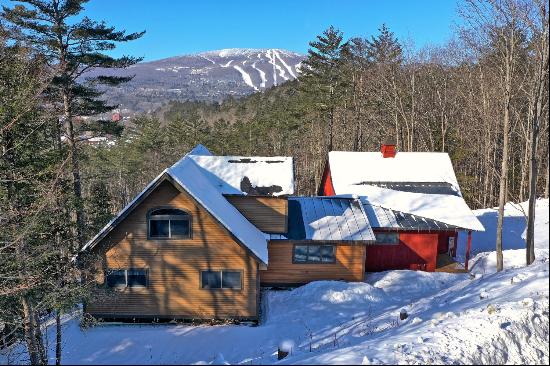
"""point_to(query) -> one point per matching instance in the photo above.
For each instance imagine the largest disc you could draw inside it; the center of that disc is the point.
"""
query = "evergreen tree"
(99, 207)
(323, 77)
(31, 201)
(72, 45)
(385, 48)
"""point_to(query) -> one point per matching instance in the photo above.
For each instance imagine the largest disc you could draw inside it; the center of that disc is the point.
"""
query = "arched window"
(168, 223)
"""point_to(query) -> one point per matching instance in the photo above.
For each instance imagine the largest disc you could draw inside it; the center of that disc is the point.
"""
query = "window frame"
(240, 271)
(333, 261)
(119, 288)
(398, 241)
(189, 219)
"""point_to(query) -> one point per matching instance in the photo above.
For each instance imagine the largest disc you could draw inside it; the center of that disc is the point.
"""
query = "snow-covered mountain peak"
(209, 76)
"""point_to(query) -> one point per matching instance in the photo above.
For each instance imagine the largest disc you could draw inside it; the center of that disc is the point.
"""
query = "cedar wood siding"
(269, 214)
(174, 266)
(349, 265)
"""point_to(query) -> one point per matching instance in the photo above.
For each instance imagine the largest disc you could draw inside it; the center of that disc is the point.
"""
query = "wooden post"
(468, 248)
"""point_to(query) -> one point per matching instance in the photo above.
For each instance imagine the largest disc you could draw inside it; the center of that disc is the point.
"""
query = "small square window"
(116, 278)
(137, 278)
(159, 228)
(179, 228)
(211, 279)
(231, 279)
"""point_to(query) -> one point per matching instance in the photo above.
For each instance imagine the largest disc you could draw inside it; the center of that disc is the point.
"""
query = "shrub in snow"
(285, 348)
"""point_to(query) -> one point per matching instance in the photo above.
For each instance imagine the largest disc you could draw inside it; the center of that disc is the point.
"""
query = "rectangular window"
(221, 280)
(300, 253)
(136, 277)
(169, 228)
(231, 279)
(387, 238)
(314, 254)
(122, 278)
(179, 228)
(116, 278)
(159, 228)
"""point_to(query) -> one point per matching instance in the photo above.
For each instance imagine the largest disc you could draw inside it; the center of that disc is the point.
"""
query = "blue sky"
(176, 27)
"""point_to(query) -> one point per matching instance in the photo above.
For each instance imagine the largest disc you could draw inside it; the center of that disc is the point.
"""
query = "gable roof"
(254, 175)
(422, 184)
(189, 177)
(350, 169)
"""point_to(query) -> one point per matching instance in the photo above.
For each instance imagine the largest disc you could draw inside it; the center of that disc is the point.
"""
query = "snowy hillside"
(451, 318)
(210, 76)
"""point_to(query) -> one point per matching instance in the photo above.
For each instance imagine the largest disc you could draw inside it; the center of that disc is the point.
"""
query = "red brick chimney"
(388, 148)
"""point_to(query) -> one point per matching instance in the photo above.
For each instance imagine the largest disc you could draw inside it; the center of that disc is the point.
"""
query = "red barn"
(413, 202)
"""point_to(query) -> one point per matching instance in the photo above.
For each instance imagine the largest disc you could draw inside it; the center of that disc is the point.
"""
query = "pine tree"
(30, 204)
(385, 48)
(323, 77)
(73, 45)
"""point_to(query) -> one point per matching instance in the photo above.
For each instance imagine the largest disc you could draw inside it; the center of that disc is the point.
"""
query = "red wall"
(326, 188)
(414, 251)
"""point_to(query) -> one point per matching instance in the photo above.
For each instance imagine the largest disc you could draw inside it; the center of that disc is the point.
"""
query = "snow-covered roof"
(200, 150)
(326, 219)
(191, 178)
(350, 169)
(422, 184)
(249, 174)
(386, 218)
(449, 209)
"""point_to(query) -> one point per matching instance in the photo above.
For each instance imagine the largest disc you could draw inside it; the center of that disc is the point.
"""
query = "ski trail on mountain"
(284, 64)
(247, 79)
(262, 75)
(207, 59)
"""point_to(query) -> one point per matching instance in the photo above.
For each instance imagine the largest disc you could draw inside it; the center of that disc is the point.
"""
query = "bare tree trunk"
(541, 76)
(58, 347)
(28, 328)
(503, 193)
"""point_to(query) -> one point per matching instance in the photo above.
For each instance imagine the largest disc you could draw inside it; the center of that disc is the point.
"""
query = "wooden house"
(203, 237)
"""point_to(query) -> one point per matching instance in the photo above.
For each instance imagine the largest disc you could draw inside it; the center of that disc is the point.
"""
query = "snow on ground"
(513, 231)
(487, 318)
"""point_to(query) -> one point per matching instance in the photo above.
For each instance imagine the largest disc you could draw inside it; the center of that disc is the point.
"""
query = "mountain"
(207, 76)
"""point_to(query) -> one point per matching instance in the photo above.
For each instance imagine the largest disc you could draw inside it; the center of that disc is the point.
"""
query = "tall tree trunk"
(540, 78)
(77, 216)
(30, 334)
(58, 347)
(503, 192)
